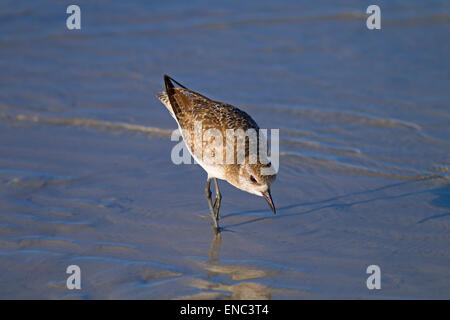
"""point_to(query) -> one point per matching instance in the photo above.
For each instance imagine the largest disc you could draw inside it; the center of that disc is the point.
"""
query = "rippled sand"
(86, 176)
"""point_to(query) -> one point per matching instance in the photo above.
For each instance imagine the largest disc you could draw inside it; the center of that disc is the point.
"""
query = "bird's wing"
(190, 107)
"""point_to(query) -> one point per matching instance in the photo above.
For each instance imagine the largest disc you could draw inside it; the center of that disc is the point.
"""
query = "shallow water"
(86, 176)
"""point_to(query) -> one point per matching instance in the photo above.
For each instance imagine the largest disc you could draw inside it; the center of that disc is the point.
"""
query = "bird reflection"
(214, 247)
(231, 281)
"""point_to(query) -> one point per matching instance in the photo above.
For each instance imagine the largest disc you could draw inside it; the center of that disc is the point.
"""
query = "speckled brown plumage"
(189, 109)
(189, 106)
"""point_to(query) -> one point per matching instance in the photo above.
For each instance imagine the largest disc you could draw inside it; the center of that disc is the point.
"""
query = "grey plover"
(189, 109)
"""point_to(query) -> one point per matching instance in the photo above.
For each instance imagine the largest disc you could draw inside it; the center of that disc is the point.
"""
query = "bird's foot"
(217, 229)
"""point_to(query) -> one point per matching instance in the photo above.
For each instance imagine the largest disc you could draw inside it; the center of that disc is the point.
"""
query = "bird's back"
(187, 106)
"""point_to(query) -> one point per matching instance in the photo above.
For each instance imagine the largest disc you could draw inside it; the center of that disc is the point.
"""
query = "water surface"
(86, 176)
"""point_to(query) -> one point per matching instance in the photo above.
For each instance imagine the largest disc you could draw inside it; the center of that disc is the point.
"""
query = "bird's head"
(253, 178)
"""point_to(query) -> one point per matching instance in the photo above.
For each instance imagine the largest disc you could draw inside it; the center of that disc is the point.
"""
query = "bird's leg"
(211, 207)
(217, 200)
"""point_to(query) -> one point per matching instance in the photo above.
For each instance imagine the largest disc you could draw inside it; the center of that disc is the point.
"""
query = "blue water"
(364, 121)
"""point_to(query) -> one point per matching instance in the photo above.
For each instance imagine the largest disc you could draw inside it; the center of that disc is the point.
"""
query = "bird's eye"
(252, 179)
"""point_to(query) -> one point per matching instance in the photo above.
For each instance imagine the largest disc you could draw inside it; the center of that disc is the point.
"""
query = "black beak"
(268, 197)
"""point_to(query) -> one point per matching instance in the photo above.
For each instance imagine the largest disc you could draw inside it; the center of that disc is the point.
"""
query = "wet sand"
(86, 176)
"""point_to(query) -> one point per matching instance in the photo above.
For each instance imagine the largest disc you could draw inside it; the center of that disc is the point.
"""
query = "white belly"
(214, 171)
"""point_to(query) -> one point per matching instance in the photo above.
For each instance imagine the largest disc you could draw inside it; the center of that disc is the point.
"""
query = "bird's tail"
(169, 83)
(164, 98)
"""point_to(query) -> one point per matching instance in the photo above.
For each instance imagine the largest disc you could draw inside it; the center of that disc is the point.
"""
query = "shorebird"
(189, 108)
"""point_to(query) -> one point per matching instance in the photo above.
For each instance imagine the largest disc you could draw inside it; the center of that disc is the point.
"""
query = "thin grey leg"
(217, 200)
(211, 207)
